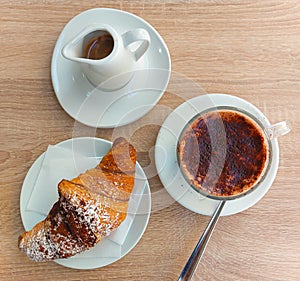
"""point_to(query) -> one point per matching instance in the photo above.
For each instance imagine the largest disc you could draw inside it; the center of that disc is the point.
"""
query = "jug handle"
(136, 35)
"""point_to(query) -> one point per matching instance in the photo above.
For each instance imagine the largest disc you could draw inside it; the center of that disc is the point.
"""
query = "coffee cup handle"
(279, 129)
(136, 35)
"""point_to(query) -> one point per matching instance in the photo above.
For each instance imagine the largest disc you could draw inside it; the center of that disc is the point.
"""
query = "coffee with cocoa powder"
(223, 153)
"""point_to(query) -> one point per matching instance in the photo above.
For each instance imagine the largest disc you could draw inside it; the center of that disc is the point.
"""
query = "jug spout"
(73, 50)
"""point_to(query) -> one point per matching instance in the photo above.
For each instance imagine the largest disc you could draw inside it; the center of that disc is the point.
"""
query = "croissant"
(89, 208)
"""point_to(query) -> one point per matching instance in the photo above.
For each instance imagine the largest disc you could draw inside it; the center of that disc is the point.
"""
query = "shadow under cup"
(224, 152)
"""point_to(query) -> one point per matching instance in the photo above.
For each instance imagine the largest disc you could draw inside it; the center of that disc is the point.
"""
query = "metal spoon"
(193, 261)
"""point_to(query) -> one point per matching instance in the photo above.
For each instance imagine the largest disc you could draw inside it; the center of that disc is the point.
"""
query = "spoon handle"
(192, 263)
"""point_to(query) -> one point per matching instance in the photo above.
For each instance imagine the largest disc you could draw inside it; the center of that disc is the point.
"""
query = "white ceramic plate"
(94, 107)
(168, 168)
(87, 146)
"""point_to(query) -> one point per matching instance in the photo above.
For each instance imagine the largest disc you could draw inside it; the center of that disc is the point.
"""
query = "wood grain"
(250, 49)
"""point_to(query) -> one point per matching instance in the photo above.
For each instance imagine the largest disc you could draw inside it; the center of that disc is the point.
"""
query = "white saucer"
(94, 107)
(166, 159)
(87, 146)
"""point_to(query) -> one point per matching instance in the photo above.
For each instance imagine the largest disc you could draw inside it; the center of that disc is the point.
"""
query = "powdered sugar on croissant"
(89, 208)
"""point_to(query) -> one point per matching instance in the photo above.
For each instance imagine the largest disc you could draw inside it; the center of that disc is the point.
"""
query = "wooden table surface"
(250, 49)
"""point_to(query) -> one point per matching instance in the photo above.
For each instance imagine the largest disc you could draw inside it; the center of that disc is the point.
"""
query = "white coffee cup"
(115, 67)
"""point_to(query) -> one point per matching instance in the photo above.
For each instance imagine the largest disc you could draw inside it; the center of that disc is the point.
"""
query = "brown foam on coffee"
(223, 153)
